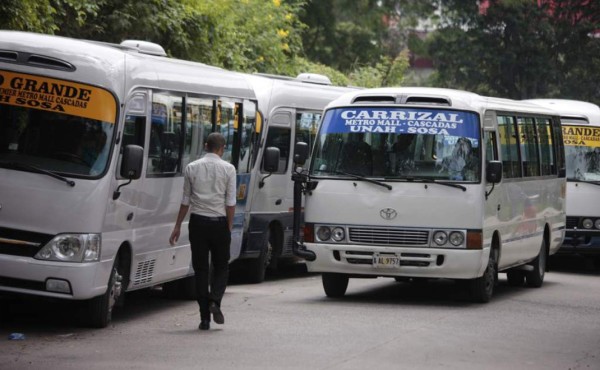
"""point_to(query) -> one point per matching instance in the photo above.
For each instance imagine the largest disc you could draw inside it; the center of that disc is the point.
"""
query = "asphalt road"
(287, 322)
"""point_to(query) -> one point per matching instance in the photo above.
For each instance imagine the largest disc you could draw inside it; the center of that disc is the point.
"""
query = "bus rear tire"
(335, 285)
(100, 308)
(482, 288)
(535, 278)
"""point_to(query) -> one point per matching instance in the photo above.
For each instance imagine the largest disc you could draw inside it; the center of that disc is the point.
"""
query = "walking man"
(209, 192)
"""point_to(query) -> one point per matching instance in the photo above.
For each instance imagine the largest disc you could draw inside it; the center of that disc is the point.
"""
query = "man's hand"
(174, 235)
(176, 230)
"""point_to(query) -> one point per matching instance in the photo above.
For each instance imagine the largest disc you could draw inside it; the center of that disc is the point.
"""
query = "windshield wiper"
(593, 182)
(432, 181)
(358, 177)
(30, 168)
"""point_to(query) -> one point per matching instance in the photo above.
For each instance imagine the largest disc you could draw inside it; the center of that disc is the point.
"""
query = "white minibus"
(432, 183)
(291, 108)
(93, 140)
(581, 132)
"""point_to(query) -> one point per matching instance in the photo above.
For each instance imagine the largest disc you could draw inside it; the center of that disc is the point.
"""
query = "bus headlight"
(440, 237)
(338, 234)
(323, 233)
(456, 238)
(588, 223)
(71, 248)
(597, 223)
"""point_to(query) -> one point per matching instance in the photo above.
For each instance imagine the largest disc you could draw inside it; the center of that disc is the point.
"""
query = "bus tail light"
(309, 233)
(474, 240)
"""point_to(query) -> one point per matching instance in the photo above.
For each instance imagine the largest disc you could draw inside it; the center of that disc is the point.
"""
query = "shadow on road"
(47, 316)
(44, 316)
(426, 292)
(577, 264)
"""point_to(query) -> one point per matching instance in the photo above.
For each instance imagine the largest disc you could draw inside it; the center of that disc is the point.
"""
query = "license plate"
(386, 261)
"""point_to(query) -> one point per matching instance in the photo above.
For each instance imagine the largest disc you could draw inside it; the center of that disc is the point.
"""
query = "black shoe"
(216, 312)
(204, 325)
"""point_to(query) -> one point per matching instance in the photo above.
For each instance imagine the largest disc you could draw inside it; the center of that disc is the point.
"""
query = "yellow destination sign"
(36, 92)
(581, 136)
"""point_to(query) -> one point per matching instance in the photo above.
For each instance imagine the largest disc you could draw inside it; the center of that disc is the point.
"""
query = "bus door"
(273, 196)
(160, 192)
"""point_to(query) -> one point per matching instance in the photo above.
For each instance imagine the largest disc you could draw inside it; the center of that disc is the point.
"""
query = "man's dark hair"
(214, 142)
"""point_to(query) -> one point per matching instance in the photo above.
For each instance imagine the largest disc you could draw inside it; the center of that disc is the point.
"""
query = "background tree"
(519, 49)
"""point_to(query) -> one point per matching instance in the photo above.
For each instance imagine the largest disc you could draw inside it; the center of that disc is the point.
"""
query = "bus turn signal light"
(474, 240)
(309, 233)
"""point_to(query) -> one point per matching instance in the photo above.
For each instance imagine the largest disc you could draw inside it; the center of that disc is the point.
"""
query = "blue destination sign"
(401, 121)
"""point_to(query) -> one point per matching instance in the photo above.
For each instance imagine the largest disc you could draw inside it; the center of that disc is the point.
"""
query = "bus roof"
(104, 65)
(275, 92)
(436, 97)
(571, 108)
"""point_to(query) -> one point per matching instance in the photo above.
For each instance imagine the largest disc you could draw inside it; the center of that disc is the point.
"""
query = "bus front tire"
(100, 308)
(335, 285)
(482, 288)
(535, 278)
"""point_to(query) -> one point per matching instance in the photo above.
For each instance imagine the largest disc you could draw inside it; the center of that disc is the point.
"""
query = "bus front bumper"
(581, 242)
(410, 262)
(67, 280)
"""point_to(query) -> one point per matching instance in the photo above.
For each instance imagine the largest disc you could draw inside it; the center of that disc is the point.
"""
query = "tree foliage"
(354, 35)
(519, 49)
(236, 34)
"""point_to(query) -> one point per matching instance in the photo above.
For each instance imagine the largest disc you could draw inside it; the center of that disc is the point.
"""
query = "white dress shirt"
(209, 186)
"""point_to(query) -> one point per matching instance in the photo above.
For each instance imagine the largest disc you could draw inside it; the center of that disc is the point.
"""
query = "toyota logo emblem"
(388, 213)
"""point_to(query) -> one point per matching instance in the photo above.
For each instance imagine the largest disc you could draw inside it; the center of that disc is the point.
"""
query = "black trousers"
(209, 234)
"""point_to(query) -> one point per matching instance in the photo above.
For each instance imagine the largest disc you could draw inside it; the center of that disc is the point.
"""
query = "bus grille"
(21, 243)
(572, 222)
(389, 237)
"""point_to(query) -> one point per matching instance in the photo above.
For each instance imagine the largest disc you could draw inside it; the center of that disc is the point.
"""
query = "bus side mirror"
(131, 166)
(271, 159)
(493, 173)
(300, 153)
(270, 163)
(131, 163)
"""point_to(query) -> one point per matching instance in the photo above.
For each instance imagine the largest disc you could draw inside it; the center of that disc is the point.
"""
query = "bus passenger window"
(529, 146)
(225, 125)
(165, 136)
(511, 165)
(545, 139)
(247, 146)
(198, 126)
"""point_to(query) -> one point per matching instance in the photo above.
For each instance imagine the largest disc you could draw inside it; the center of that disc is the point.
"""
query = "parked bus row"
(93, 141)
(405, 183)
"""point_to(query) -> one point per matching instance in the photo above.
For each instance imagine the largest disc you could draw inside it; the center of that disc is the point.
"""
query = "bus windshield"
(399, 144)
(582, 152)
(63, 127)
